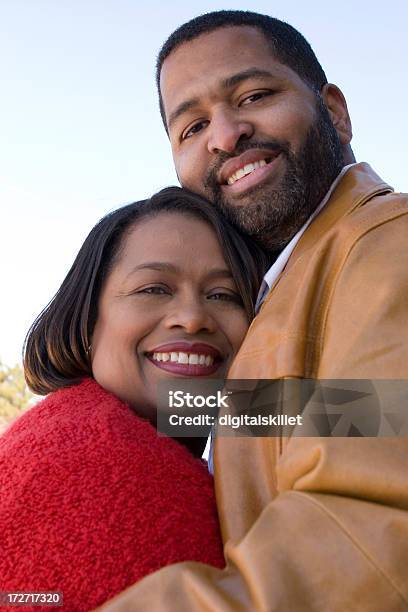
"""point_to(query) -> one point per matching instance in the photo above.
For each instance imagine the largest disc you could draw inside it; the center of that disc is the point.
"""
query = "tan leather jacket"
(315, 524)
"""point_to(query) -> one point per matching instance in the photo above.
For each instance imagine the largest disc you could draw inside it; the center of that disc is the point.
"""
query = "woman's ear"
(337, 106)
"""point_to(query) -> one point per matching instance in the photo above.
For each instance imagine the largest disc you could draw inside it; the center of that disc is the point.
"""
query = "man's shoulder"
(378, 219)
(380, 208)
(382, 213)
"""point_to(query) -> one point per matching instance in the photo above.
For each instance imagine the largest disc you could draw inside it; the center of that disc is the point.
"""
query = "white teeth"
(247, 169)
(185, 358)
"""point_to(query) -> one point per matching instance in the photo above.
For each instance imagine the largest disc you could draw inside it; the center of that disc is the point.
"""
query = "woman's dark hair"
(56, 349)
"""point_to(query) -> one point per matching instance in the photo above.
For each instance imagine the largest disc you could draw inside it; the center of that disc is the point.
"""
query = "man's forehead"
(249, 40)
(214, 56)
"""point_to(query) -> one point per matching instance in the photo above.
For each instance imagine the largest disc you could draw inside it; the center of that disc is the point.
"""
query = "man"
(314, 524)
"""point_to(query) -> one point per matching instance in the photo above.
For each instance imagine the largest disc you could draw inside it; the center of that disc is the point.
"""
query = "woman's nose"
(226, 129)
(192, 317)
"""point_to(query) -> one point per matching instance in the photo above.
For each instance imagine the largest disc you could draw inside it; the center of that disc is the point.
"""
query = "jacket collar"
(358, 185)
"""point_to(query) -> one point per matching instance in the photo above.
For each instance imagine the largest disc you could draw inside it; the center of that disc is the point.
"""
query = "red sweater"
(92, 500)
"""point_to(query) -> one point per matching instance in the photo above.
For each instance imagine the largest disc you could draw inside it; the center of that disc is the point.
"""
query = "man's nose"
(226, 129)
(191, 316)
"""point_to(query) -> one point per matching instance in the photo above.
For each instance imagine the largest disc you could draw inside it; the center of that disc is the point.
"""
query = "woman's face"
(169, 308)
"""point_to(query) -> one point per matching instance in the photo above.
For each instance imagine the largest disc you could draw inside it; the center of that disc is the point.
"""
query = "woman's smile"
(186, 359)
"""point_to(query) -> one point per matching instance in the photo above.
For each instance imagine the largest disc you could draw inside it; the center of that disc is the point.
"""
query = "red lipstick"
(187, 369)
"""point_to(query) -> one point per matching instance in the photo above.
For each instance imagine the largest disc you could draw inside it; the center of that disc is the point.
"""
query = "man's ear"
(337, 106)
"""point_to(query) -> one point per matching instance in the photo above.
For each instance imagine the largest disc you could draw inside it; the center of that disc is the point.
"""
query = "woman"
(92, 498)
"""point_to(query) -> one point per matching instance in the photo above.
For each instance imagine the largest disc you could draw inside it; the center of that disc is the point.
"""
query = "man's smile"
(236, 168)
(250, 169)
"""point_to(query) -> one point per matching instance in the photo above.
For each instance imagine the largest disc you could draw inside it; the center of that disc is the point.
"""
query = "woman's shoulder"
(80, 411)
(63, 416)
(86, 423)
(84, 442)
(94, 499)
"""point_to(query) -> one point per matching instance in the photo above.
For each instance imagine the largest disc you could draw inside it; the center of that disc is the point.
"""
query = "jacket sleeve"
(320, 545)
(335, 537)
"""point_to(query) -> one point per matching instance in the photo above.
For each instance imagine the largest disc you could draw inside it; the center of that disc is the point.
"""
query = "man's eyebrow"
(227, 83)
(250, 73)
(181, 109)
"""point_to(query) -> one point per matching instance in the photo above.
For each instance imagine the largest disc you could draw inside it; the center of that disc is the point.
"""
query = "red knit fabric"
(92, 500)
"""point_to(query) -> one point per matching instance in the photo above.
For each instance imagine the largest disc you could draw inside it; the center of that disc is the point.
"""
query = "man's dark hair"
(287, 44)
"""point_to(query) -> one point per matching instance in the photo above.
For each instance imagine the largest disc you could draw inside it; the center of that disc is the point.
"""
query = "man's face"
(248, 133)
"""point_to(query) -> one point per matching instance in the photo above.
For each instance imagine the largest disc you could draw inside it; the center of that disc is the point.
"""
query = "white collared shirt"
(277, 267)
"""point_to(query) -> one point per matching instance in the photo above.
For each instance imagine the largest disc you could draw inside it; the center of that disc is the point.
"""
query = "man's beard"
(274, 215)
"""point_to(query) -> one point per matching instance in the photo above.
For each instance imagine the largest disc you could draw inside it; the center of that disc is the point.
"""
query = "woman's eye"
(194, 129)
(226, 297)
(255, 97)
(154, 290)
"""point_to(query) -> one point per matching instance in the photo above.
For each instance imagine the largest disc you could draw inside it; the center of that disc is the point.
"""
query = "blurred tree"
(15, 396)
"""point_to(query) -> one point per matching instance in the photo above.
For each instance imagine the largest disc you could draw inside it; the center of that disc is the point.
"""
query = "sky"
(81, 134)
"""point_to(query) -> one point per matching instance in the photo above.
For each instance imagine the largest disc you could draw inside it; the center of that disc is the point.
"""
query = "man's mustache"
(276, 146)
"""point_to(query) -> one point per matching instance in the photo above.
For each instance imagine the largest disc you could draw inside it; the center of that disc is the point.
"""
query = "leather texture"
(314, 524)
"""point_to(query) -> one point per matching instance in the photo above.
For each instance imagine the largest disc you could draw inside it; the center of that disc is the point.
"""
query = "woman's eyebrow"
(219, 273)
(162, 266)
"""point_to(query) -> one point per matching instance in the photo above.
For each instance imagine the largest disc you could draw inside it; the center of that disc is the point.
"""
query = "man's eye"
(255, 97)
(194, 129)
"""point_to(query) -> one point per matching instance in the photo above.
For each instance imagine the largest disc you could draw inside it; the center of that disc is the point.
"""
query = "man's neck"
(282, 257)
(321, 202)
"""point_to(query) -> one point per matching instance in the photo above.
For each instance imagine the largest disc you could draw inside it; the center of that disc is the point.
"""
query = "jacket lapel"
(358, 186)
